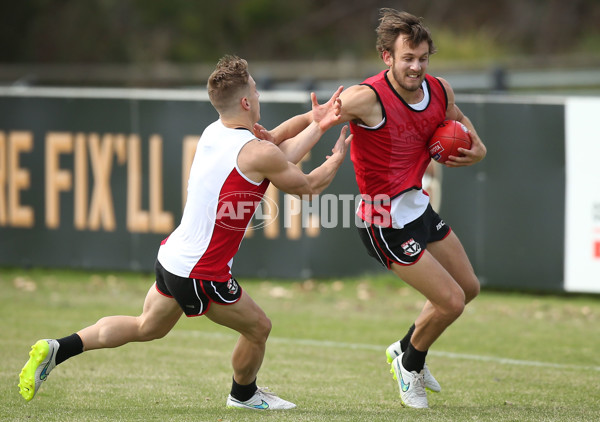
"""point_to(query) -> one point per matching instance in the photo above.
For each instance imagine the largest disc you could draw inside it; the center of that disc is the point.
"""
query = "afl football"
(447, 138)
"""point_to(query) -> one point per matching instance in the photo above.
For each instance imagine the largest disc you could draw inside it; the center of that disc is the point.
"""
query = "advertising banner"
(96, 178)
(582, 227)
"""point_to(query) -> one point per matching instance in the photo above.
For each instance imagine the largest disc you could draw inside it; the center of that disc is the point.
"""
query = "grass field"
(510, 357)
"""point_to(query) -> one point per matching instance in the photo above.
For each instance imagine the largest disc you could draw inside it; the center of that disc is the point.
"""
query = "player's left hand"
(329, 114)
(261, 133)
(469, 157)
(341, 146)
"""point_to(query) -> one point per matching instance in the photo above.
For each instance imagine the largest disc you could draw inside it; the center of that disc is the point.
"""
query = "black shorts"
(403, 246)
(194, 295)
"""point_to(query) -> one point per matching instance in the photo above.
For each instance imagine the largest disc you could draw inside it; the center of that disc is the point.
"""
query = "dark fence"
(95, 179)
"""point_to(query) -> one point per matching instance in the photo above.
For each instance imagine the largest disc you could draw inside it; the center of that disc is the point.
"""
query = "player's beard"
(401, 76)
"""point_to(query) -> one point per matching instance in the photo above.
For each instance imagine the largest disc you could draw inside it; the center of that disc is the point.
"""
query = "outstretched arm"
(286, 130)
(260, 160)
(297, 124)
(323, 117)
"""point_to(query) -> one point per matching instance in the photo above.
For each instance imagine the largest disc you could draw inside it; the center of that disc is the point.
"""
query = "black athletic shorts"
(194, 295)
(403, 246)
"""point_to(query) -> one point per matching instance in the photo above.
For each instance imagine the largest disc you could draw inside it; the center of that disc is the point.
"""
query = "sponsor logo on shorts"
(411, 248)
(440, 225)
(232, 287)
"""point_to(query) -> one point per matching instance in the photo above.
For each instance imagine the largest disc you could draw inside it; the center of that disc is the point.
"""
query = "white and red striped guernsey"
(221, 201)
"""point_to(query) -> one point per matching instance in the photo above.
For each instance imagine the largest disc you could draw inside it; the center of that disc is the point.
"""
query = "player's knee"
(263, 328)
(453, 307)
(260, 330)
(148, 331)
(472, 291)
(155, 334)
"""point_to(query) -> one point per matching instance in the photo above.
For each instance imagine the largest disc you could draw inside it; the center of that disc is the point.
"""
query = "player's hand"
(341, 146)
(469, 157)
(261, 133)
(329, 114)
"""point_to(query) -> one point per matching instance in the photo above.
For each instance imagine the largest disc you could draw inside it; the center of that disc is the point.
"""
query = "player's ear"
(387, 57)
(245, 103)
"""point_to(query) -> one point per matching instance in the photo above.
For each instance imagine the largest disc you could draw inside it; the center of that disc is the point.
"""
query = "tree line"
(188, 31)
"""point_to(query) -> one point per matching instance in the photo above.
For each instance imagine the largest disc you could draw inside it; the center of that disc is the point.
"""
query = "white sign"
(582, 225)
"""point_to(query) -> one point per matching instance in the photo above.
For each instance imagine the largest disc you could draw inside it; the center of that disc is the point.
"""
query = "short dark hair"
(393, 23)
(230, 75)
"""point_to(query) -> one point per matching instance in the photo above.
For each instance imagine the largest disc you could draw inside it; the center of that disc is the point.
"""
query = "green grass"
(510, 357)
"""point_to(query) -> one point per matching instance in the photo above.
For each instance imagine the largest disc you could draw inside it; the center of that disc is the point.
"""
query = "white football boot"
(412, 385)
(263, 399)
(394, 350)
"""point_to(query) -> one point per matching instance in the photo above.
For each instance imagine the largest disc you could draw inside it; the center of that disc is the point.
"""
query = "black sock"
(406, 340)
(69, 346)
(243, 392)
(413, 359)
